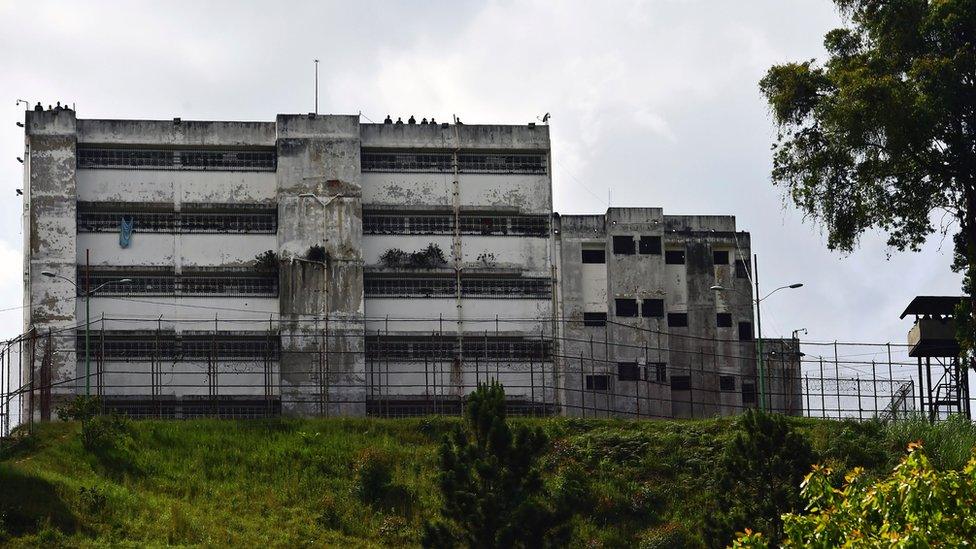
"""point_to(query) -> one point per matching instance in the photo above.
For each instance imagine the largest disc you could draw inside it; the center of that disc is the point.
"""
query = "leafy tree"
(916, 506)
(883, 133)
(759, 476)
(492, 486)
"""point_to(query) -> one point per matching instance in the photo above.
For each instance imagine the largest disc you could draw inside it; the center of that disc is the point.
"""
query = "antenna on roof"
(316, 86)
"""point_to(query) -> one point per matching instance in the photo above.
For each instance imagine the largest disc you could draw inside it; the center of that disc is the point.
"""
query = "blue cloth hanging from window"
(125, 231)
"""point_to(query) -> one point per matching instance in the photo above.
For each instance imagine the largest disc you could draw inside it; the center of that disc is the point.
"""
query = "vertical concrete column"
(320, 249)
(50, 245)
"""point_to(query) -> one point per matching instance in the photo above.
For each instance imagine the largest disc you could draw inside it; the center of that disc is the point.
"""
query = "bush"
(915, 506)
(491, 483)
(758, 477)
(81, 408)
(373, 476)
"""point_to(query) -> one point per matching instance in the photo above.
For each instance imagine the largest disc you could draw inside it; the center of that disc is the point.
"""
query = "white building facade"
(316, 265)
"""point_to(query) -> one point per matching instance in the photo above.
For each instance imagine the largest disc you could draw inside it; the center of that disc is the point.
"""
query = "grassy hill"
(301, 482)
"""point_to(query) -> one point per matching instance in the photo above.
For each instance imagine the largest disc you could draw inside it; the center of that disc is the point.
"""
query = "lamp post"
(760, 363)
(87, 295)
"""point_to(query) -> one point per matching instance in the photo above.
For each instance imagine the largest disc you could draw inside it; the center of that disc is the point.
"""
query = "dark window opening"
(741, 269)
(650, 245)
(726, 383)
(594, 256)
(624, 245)
(595, 319)
(660, 372)
(628, 371)
(674, 257)
(748, 393)
(745, 331)
(723, 320)
(678, 320)
(680, 383)
(597, 382)
(720, 257)
(653, 308)
(625, 307)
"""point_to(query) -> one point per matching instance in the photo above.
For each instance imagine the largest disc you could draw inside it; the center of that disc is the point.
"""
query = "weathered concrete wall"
(702, 350)
(174, 133)
(176, 187)
(51, 204)
(318, 156)
(436, 136)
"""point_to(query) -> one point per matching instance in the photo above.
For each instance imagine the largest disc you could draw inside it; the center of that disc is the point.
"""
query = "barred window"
(229, 285)
(726, 383)
(226, 222)
(420, 348)
(221, 284)
(89, 156)
(499, 287)
(408, 287)
(628, 371)
(443, 162)
(680, 383)
(258, 219)
(110, 221)
(748, 393)
(595, 319)
(599, 382)
(167, 345)
(392, 223)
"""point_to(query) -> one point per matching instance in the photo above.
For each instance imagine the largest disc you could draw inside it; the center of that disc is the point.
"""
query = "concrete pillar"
(50, 245)
(320, 248)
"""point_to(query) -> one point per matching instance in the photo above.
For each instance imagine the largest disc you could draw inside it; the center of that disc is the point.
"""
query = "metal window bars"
(384, 286)
(176, 159)
(471, 224)
(200, 284)
(427, 347)
(138, 346)
(253, 222)
(442, 162)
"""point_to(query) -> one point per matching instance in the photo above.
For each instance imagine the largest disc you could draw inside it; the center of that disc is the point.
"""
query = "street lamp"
(759, 350)
(87, 295)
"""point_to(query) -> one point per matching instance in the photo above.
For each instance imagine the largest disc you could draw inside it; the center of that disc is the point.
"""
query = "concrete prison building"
(315, 265)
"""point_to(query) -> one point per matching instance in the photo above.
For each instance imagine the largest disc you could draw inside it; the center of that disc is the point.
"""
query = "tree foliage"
(492, 488)
(759, 475)
(882, 134)
(915, 506)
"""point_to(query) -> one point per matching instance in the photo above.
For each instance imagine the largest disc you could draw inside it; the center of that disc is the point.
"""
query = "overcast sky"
(653, 103)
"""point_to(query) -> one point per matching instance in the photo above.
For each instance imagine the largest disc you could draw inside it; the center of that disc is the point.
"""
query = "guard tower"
(932, 340)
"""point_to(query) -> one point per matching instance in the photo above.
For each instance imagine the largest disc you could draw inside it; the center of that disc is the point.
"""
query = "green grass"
(305, 482)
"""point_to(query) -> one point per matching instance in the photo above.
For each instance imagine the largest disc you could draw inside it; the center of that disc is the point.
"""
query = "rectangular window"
(594, 256)
(628, 371)
(723, 320)
(597, 382)
(741, 269)
(652, 308)
(680, 383)
(674, 257)
(745, 331)
(678, 320)
(720, 257)
(443, 162)
(659, 371)
(174, 159)
(624, 245)
(726, 383)
(650, 245)
(595, 319)
(625, 307)
(748, 393)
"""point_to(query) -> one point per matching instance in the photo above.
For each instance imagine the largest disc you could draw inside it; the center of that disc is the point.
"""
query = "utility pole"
(760, 363)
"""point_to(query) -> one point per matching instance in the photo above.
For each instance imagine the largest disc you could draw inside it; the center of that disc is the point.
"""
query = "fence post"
(582, 386)
(837, 377)
(860, 416)
(874, 381)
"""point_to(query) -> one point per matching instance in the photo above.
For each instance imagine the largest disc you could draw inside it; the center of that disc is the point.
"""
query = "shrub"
(915, 506)
(267, 262)
(758, 477)
(373, 476)
(491, 483)
(81, 408)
